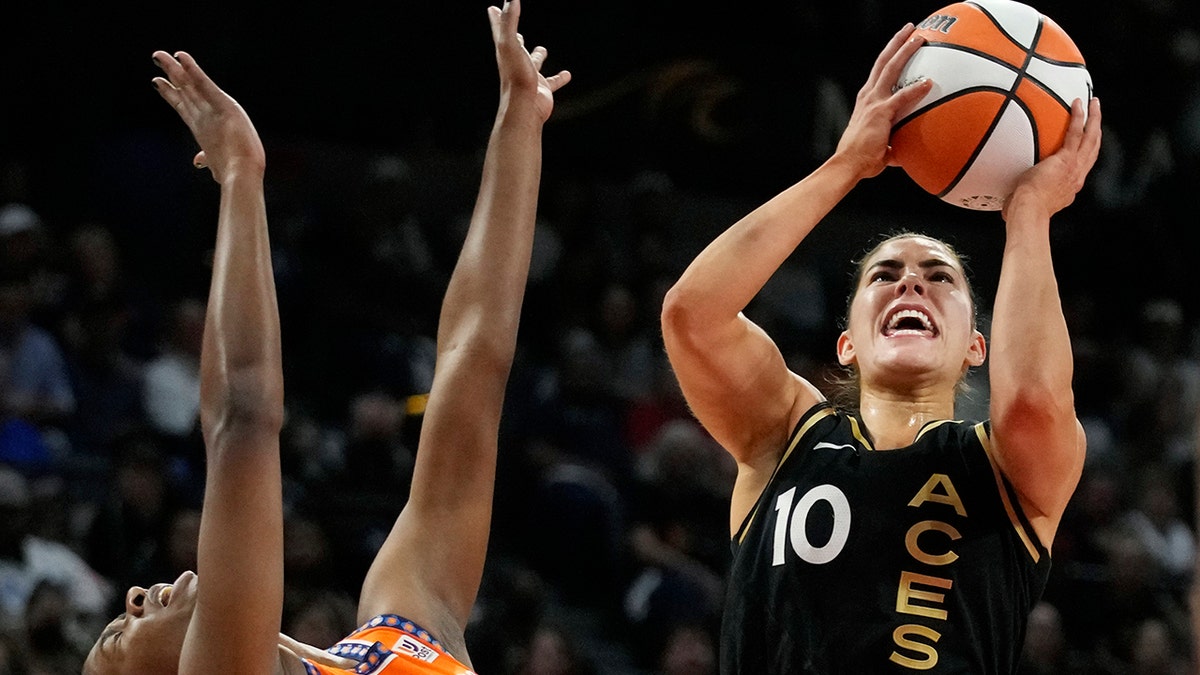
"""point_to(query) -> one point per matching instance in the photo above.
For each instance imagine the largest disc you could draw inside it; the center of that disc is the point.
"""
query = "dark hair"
(844, 382)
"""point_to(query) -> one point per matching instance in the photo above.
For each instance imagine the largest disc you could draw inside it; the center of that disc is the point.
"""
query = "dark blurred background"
(609, 545)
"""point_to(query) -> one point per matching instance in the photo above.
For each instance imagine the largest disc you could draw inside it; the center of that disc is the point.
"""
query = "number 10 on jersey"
(796, 532)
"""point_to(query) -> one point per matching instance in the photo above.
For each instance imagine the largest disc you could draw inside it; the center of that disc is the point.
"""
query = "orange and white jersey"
(391, 645)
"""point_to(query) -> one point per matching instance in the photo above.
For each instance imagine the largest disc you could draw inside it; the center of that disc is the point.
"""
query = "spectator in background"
(683, 483)
(132, 522)
(98, 282)
(375, 442)
(27, 560)
(171, 398)
(34, 384)
(12, 658)
(1108, 614)
(689, 650)
(553, 650)
(26, 250)
(1157, 651)
(1162, 399)
(663, 405)
(318, 617)
(36, 394)
(1156, 521)
(107, 379)
(56, 639)
(1046, 651)
(624, 338)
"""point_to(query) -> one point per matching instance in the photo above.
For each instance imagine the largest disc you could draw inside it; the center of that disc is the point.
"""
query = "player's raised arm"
(1039, 442)
(240, 555)
(731, 372)
(430, 567)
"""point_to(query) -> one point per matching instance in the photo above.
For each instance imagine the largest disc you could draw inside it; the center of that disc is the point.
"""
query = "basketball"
(1004, 77)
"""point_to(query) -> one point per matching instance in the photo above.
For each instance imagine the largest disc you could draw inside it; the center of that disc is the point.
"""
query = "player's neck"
(291, 651)
(894, 422)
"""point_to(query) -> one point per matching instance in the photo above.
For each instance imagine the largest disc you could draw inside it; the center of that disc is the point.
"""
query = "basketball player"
(418, 593)
(892, 538)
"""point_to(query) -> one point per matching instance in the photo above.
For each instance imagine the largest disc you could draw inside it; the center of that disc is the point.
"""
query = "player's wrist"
(242, 170)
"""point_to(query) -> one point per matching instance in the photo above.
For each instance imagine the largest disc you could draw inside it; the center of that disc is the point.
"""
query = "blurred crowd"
(610, 534)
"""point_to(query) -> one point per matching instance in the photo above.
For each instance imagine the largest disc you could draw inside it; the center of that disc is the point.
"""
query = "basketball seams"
(1055, 62)
(974, 52)
(1022, 74)
(1049, 92)
(1033, 126)
(946, 99)
(1011, 96)
(1000, 27)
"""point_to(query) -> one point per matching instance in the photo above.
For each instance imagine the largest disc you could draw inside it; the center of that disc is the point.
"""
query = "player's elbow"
(247, 399)
(1032, 405)
(1044, 427)
(486, 357)
(682, 316)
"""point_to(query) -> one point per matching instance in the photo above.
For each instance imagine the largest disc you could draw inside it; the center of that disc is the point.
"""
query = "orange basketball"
(1004, 77)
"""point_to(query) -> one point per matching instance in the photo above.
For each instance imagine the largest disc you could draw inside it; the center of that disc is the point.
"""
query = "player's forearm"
(241, 365)
(482, 307)
(1031, 357)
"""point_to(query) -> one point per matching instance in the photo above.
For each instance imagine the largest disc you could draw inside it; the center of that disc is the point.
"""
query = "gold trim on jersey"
(1012, 513)
(858, 434)
(930, 427)
(808, 424)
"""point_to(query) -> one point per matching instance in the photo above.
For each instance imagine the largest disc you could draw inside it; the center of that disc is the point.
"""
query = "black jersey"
(899, 561)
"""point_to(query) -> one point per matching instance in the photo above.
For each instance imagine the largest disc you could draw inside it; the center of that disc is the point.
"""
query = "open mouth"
(164, 595)
(909, 322)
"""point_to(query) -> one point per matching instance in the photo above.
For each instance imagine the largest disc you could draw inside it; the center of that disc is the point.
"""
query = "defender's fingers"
(494, 18)
(174, 71)
(197, 76)
(175, 97)
(512, 9)
(538, 57)
(892, 47)
(504, 20)
(556, 82)
(166, 89)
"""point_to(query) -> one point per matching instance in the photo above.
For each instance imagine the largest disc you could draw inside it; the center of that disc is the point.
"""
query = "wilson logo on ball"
(938, 22)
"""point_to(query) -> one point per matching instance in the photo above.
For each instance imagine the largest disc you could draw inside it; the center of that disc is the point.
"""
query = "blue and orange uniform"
(391, 645)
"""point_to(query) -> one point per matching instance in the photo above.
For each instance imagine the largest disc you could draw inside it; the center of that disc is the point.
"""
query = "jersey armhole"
(807, 421)
(1008, 497)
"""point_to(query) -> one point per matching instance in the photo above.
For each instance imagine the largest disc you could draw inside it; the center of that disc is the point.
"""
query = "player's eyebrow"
(112, 628)
(890, 263)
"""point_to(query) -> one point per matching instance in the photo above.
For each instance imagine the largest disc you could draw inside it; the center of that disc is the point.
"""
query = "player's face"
(911, 320)
(148, 637)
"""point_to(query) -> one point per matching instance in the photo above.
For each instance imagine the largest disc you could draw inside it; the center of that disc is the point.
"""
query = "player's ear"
(977, 351)
(845, 349)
